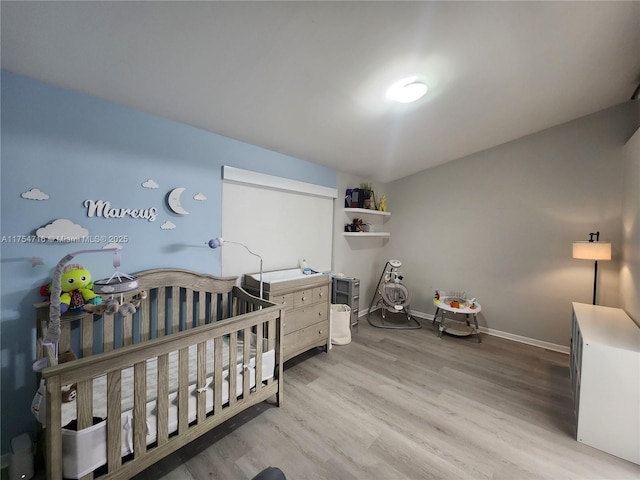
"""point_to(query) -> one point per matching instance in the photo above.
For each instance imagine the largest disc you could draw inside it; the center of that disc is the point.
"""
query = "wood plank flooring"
(404, 404)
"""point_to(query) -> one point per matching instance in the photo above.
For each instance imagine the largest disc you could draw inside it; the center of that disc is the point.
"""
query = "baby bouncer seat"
(392, 296)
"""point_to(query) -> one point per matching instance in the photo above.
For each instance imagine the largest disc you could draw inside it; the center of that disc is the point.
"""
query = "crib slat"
(258, 356)
(202, 379)
(233, 377)
(224, 306)
(127, 334)
(217, 375)
(175, 309)
(145, 321)
(84, 403)
(65, 337)
(108, 328)
(53, 430)
(271, 334)
(246, 373)
(163, 400)
(161, 300)
(213, 308)
(202, 304)
(189, 309)
(139, 409)
(114, 407)
(183, 390)
(87, 336)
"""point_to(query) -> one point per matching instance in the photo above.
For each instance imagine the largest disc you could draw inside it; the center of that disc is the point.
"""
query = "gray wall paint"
(499, 224)
(630, 263)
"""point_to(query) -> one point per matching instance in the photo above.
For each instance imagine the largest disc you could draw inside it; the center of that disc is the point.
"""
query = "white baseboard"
(529, 341)
(498, 333)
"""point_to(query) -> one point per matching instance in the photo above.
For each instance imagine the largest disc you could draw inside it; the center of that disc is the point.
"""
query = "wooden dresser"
(306, 320)
(605, 379)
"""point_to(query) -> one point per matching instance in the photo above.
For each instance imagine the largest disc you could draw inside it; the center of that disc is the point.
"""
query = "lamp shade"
(592, 250)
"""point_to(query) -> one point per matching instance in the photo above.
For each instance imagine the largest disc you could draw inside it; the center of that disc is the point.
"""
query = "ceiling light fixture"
(407, 90)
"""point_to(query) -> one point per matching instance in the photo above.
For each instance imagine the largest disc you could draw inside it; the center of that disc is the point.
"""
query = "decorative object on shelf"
(356, 226)
(382, 204)
(367, 192)
(354, 198)
(592, 250)
(219, 242)
(347, 198)
(174, 201)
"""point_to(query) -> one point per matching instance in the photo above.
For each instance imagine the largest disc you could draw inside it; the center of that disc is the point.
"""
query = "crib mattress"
(85, 450)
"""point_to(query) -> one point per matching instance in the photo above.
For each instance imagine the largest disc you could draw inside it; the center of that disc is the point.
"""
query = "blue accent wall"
(74, 147)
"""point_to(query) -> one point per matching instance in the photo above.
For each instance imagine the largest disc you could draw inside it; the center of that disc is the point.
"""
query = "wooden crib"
(203, 335)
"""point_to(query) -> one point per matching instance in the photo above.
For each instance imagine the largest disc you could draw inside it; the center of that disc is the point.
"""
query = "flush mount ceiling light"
(407, 90)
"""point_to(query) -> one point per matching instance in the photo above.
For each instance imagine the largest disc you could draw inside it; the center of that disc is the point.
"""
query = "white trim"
(238, 175)
(529, 341)
(497, 333)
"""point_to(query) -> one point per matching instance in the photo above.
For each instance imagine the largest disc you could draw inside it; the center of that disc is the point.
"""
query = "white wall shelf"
(367, 234)
(354, 212)
(370, 216)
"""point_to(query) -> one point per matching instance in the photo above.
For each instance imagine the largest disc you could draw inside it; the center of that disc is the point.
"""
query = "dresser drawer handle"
(319, 332)
(304, 298)
(321, 294)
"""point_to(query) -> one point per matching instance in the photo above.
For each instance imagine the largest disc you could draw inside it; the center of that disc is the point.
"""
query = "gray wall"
(630, 263)
(499, 225)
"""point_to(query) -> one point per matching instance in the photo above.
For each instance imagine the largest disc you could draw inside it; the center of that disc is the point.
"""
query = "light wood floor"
(403, 404)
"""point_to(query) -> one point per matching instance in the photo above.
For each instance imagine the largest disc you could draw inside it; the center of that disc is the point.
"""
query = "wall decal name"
(100, 208)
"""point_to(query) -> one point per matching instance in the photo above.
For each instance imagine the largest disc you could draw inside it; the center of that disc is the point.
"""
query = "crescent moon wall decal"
(175, 201)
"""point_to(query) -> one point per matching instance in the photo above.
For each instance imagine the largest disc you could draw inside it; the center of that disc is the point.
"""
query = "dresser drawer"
(320, 294)
(303, 317)
(283, 300)
(302, 298)
(301, 340)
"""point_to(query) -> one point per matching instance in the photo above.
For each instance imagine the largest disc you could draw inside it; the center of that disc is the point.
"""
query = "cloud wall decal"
(150, 184)
(62, 230)
(35, 194)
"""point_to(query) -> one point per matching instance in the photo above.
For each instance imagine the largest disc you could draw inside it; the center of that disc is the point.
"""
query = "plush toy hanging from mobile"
(76, 294)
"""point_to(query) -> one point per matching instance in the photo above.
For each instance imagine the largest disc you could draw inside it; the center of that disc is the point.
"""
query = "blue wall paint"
(75, 147)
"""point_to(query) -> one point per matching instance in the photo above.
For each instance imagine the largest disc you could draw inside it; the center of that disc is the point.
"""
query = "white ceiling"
(308, 79)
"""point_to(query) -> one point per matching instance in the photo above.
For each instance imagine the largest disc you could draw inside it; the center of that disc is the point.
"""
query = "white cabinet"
(605, 379)
(374, 218)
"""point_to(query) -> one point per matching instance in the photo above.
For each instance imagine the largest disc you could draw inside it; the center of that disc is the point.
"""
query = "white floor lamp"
(219, 242)
(592, 250)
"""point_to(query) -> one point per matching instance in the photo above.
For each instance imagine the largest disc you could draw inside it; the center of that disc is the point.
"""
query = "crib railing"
(187, 303)
(170, 319)
(83, 372)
